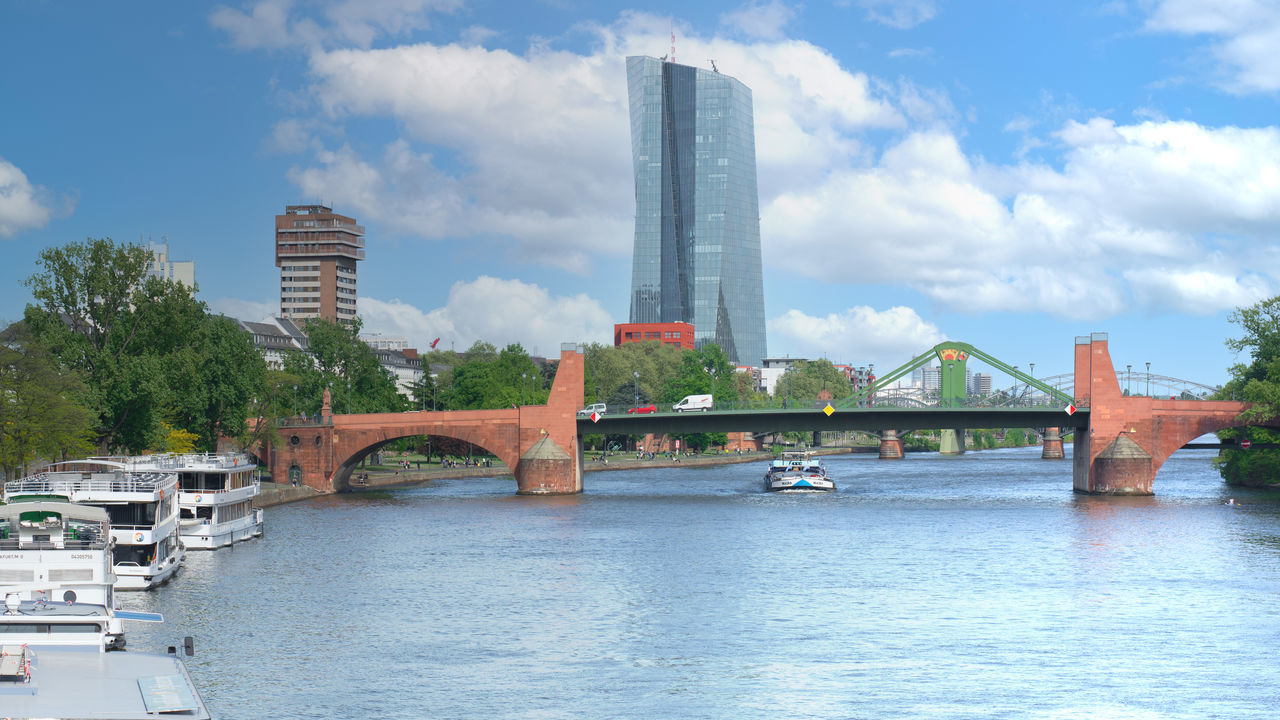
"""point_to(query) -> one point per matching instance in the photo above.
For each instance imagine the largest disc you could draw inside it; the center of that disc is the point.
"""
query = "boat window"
(72, 628)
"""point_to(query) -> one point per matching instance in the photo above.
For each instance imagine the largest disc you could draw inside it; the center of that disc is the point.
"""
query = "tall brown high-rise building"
(317, 251)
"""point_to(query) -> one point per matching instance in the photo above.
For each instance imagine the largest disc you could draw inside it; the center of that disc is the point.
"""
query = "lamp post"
(1148, 379)
(1128, 379)
(348, 397)
(522, 379)
(636, 385)
(295, 400)
(1033, 377)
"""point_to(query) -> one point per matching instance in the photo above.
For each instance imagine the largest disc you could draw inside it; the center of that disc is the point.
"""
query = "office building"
(677, 334)
(697, 233)
(184, 271)
(317, 251)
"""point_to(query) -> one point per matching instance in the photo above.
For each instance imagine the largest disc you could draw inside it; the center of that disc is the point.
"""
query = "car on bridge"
(591, 409)
(643, 410)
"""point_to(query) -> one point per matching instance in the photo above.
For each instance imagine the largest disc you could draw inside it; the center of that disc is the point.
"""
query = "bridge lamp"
(636, 385)
(1148, 379)
(1128, 379)
(295, 400)
(522, 379)
(348, 397)
(1033, 377)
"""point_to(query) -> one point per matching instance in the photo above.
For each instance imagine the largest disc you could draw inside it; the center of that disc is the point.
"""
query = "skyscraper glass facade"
(697, 242)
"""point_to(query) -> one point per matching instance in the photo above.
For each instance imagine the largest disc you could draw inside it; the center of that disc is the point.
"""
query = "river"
(977, 586)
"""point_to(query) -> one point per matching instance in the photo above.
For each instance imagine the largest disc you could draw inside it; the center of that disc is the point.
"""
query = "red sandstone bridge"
(1120, 441)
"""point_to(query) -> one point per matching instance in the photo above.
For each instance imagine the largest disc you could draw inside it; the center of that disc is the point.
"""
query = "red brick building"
(317, 251)
(679, 334)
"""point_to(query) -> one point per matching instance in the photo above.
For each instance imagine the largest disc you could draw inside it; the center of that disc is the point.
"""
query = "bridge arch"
(346, 467)
(538, 443)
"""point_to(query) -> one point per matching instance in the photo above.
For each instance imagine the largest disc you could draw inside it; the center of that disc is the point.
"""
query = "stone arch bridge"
(1120, 441)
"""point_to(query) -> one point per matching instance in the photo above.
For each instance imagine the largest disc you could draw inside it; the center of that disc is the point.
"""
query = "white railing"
(61, 483)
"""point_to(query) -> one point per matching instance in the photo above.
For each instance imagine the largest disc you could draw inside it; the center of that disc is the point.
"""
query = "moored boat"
(215, 496)
(142, 506)
(797, 471)
(58, 623)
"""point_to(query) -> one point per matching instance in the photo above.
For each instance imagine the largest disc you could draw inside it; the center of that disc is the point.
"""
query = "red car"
(643, 410)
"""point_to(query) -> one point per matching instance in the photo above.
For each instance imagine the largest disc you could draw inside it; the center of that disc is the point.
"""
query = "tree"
(216, 382)
(1257, 382)
(345, 365)
(99, 311)
(41, 410)
(805, 379)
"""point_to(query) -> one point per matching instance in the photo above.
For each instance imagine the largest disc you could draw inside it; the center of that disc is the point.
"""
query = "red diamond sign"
(1070, 409)
(595, 417)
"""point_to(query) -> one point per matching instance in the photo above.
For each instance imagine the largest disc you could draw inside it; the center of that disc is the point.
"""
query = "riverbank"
(276, 494)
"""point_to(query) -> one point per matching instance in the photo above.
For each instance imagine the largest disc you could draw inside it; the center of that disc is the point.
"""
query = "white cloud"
(900, 14)
(1245, 32)
(268, 23)
(556, 182)
(496, 311)
(1197, 292)
(757, 19)
(859, 334)
(247, 310)
(23, 206)
(1035, 238)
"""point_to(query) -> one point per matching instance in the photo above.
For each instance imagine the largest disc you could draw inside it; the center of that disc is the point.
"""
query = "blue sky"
(1007, 174)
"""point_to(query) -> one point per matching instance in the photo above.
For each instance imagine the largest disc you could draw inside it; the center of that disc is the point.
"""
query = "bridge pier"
(890, 445)
(1129, 438)
(952, 442)
(1052, 445)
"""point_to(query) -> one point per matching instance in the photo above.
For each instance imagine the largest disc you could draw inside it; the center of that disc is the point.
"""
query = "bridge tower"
(1129, 438)
(953, 390)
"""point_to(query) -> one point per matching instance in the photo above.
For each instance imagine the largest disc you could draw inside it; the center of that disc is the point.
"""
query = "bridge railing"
(304, 421)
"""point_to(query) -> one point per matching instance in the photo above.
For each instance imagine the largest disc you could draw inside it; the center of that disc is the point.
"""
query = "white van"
(693, 402)
(593, 408)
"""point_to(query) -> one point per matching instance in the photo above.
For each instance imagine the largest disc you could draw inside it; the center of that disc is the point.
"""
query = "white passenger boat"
(215, 497)
(142, 506)
(797, 471)
(59, 622)
(58, 552)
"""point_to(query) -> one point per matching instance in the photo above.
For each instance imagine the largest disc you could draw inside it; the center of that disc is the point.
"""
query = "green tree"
(345, 365)
(1255, 381)
(805, 379)
(216, 382)
(41, 410)
(98, 310)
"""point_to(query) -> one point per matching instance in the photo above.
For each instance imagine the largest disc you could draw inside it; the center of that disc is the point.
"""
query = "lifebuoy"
(197, 498)
(137, 537)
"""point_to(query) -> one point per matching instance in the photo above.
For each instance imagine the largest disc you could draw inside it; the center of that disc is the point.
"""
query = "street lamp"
(636, 385)
(295, 400)
(522, 379)
(348, 397)
(1148, 379)
(1032, 392)
(1128, 379)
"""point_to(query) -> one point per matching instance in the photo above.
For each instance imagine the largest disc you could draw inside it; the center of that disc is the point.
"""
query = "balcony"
(290, 251)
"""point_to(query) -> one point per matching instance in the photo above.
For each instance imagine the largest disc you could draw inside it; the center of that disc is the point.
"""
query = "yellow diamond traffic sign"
(828, 409)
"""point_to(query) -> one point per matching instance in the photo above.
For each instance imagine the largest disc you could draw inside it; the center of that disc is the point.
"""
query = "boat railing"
(59, 483)
(16, 544)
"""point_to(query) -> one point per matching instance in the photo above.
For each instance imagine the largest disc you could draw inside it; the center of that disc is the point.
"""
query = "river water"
(977, 586)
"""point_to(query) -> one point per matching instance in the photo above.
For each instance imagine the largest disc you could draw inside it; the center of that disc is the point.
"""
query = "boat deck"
(85, 683)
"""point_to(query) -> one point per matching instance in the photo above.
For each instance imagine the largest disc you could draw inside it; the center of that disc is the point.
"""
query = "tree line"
(108, 358)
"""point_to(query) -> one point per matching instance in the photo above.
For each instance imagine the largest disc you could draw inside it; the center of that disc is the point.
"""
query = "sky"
(1003, 173)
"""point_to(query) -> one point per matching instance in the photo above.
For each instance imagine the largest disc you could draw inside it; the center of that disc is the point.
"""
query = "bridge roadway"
(813, 419)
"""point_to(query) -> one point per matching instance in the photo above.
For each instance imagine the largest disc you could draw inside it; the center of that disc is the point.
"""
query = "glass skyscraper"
(697, 243)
